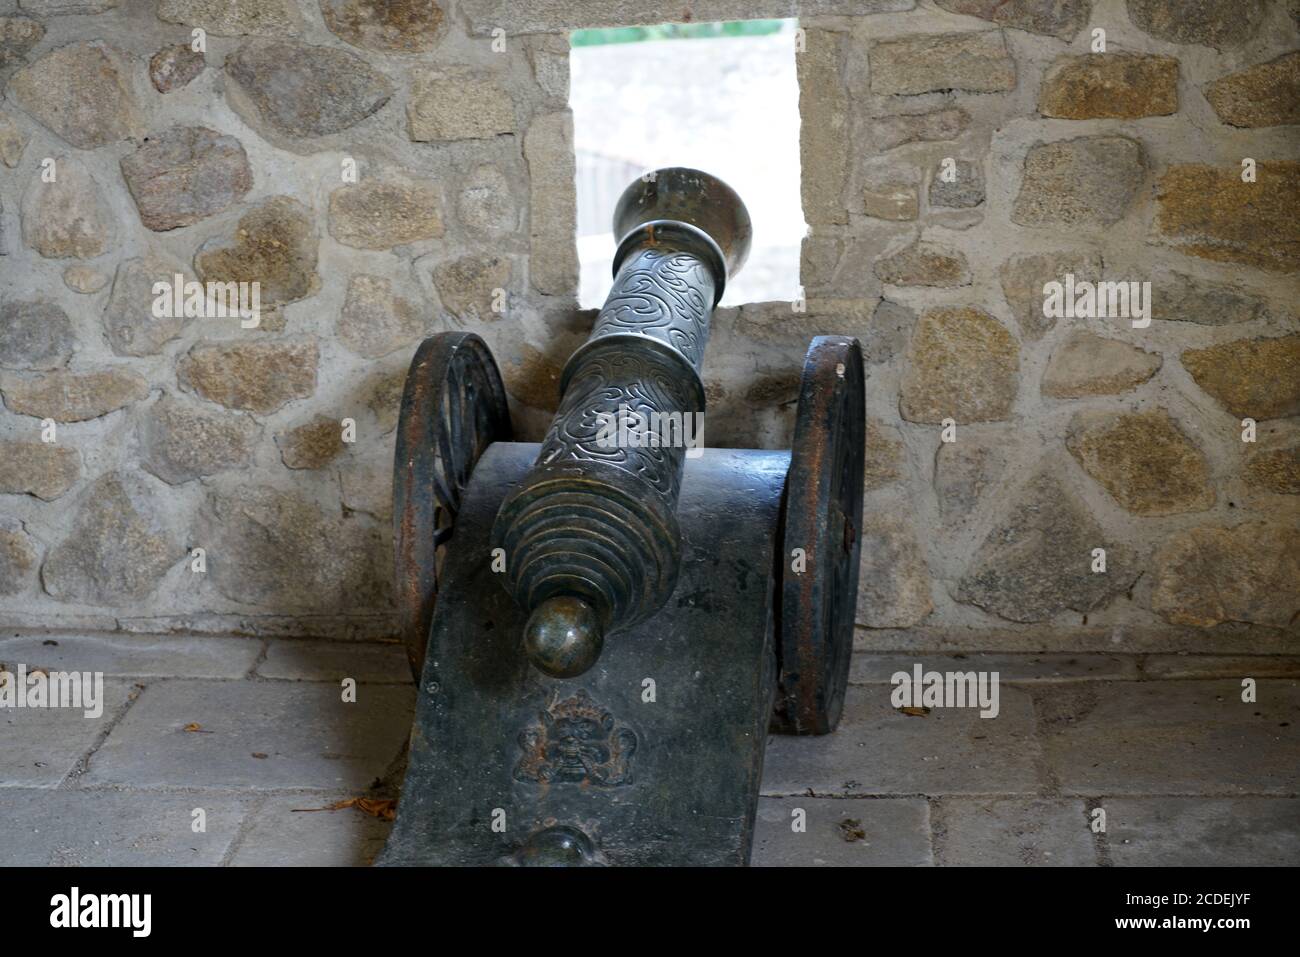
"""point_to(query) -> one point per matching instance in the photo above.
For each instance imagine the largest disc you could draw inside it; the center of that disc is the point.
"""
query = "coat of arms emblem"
(577, 741)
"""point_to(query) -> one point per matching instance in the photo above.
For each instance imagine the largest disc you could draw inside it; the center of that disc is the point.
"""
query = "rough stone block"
(68, 217)
(893, 832)
(1214, 23)
(824, 127)
(180, 443)
(1200, 832)
(924, 264)
(72, 396)
(334, 661)
(43, 745)
(1055, 18)
(893, 583)
(116, 828)
(1038, 560)
(962, 364)
(226, 19)
(282, 550)
(975, 62)
(121, 544)
(255, 736)
(313, 444)
(306, 91)
(81, 91)
(374, 320)
(1144, 459)
(1012, 832)
(965, 190)
(174, 67)
(391, 26)
(948, 123)
(548, 148)
(136, 656)
(1023, 278)
(1251, 377)
(130, 325)
(879, 750)
(18, 557)
(547, 16)
(1171, 737)
(1088, 181)
(457, 106)
(1250, 572)
(1267, 94)
(37, 468)
(185, 174)
(1208, 211)
(274, 245)
(1178, 297)
(257, 376)
(1121, 86)
(1085, 365)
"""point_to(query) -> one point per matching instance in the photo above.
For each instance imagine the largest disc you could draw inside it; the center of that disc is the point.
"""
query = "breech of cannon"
(725, 580)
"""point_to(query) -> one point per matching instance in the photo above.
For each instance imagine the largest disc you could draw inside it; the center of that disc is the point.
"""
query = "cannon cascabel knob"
(563, 636)
(595, 519)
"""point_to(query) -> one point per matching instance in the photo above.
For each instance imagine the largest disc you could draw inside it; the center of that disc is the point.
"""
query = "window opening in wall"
(721, 97)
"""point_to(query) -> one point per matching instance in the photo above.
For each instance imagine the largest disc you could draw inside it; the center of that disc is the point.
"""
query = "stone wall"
(382, 169)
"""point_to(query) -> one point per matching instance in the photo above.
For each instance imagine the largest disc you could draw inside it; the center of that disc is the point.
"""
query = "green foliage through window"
(675, 31)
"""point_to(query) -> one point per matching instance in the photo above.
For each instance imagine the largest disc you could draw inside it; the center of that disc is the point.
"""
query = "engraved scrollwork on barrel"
(609, 414)
(664, 294)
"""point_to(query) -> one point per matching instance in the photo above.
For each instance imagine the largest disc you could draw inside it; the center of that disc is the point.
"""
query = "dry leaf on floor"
(383, 808)
(851, 830)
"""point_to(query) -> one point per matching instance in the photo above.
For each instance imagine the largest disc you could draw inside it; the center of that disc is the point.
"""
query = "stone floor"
(255, 734)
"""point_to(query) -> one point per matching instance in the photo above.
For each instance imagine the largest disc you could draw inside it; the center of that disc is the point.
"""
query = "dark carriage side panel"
(501, 753)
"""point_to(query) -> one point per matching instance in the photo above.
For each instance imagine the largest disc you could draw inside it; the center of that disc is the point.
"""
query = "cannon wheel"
(817, 597)
(453, 407)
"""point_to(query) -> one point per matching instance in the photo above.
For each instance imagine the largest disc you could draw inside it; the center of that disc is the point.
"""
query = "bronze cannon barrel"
(590, 534)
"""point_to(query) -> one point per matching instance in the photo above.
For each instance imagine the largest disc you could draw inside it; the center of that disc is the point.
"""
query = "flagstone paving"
(243, 752)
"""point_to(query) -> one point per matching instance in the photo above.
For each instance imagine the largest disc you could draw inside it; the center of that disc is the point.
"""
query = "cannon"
(606, 626)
